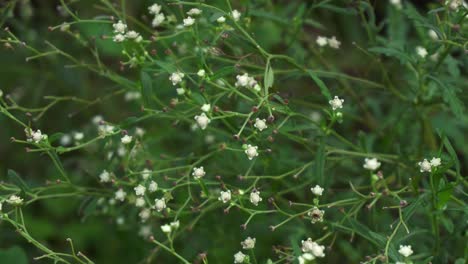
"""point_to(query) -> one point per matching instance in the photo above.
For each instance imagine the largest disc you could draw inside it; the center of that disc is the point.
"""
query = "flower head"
(166, 228)
(371, 164)
(119, 27)
(225, 196)
(176, 77)
(334, 43)
(317, 190)
(255, 197)
(202, 120)
(425, 165)
(421, 51)
(322, 41)
(251, 151)
(160, 204)
(120, 195)
(194, 12)
(152, 187)
(198, 172)
(140, 190)
(145, 174)
(235, 15)
(14, 200)
(158, 20)
(104, 176)
(406, 251)
(201, 73)
(189, 21)
(260, 124)
(239, 257)
(316, 215)
(140, 202)
(309, 246)
(126, 139)
(206, 107)
(248, 243)
(435, 162)
(336, 103)
(221, 19)
(154, 9)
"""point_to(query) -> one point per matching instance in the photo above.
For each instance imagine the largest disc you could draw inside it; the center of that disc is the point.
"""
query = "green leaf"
(269, 77)
(13, 255)
(16, 179)
(444, 196)
(453, 154)
(223, 72)
(320, 161)
(55, 137)
(166, 66)
(450, 97)
(321, 85)
(392, 52)
(146, 87)
(198, 98)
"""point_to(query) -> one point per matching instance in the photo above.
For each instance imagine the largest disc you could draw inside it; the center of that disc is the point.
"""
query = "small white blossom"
(14, 200)
(119, 27)
(140, 202)
(202, 120)
(145, 174)
(221, 19)
(316, 215)
(198, 172)
(336, 103)
(160, 204)
(132, 34)
(176, 77)
(78, 136)
(201, 73)
(65, 140)
(435, 162)
(154, 9)
(175, 225)
(317, 190)
(158, 20)
(140, 190)
(120, 195)
(406, 251)
(396, 3)
(189, 21)
(119, 38)
(425, 166)
(144, 214)
(432, 34)
(236, 15)
(304, 258)
(126, 139)
(251, 151)
(421, 51)
(248, 243)
(166, 228)
(309, 246)
(104, 176)
(371, 164)
(35, 136)
(97, 119)
(239, 257)
(152, 187)
(225, 196)
(260, 124)
(255, 197)
(205, 107)
(245, 80)
(322, 41)
(334, 43)
(194, 12)
(180, 91)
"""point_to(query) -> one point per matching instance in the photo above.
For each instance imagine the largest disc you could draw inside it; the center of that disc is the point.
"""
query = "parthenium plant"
(231, 147)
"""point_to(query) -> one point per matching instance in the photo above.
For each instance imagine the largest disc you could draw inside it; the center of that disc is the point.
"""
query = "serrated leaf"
(450, 97)
(320, 84)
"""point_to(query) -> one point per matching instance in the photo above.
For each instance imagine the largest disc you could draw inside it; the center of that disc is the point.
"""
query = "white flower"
(435, 162)
(106, 129)
(198, 172)
(154, 9)
(144, 214)
(251, 151)
(175, 225)
(255, 197)
(396, 3)
(97, 119)
(221, 19)
(316, 215)
(65, 140)
(104, 176)
(455, 4)
(371, 164)
(152, 187)
(176, 77)
(194, 12)
(158, 20)
(119, 38)
(145, 174)
(239, 257)
(225, 196)
(425, 166)
(205, 107)
(189, 21)
(201, 73)
(120, 195)
(35, 136)
(119, 27)
(15, 200)
(202, 120)
(334, 43)
(139, 202)
(180, 91)
(308, 246)
(160, 204)
(432, 34)
(245, 80)
(322, 41)
(235, 15)
(248, 243)
(421, 51)
(126, 139)
(406, 251)
(78, 136)
(317, 190)
(166, 228)
(336, 103)
(140, 190)
(260, 124)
